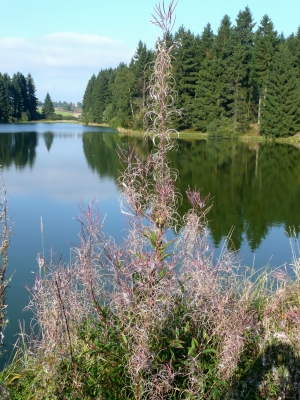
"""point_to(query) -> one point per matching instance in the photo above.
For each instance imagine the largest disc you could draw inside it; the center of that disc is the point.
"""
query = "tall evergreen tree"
(19, 95)
(5, 97)
(237, 70)
(186, 68)
(211, 99)
(122, 106)
(32, 100)
(281, 101)
(265, 46)
(101, 95)
(140, 65)
(48, 109)
(87, 115)
(293, 43)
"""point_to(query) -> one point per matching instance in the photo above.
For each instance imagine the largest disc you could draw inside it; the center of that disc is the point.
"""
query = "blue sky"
(62, 43)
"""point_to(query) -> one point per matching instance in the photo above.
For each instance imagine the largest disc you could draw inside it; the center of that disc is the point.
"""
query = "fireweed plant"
(155, 318)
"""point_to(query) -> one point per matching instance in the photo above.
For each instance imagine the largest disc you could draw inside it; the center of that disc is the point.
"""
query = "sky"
(62, 43)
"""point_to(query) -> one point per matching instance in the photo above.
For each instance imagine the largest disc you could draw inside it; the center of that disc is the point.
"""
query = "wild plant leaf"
(151, 236)
(176, 343)
(187, 327)
(208, 351)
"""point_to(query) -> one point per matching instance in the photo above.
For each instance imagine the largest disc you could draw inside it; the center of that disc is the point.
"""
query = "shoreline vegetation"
(155, 318)
(251, 135)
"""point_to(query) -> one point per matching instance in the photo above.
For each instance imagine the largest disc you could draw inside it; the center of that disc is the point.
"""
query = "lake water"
(49, 168)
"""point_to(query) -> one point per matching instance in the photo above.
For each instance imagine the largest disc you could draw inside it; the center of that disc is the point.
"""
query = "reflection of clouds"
(63, 62)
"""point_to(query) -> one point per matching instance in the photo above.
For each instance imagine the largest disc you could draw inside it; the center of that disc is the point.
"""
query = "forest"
(18, 101)
(245, 76)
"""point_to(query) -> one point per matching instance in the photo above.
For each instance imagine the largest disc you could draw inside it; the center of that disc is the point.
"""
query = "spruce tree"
(293, 42)
(265, 46)
(280, 116)
(87, 115)
(48, 109)
(210, 84)
(5, 98)
(19, 95)
(32, 100)
(186, 68)
(140, 65)
(101, 96)
(122, 106)
(237, 70)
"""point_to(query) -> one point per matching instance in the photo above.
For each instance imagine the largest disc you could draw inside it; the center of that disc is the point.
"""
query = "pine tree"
(237, 70)
(210, 102)
(32, 100)
(205, 43)
(19, 95)
(122, 106)
(5, 97)
(87, 115)
(293, 43)
(186, 68)
(281, 103)
(206, 101)
(101, 95)
(48, 109)
(140, 65)
(265, 46)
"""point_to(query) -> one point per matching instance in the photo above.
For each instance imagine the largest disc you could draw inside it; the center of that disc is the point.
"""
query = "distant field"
(63, 112)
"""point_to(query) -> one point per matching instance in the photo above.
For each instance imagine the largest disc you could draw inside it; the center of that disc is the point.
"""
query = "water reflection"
(254, 186)
(48, 138)
(18, 149)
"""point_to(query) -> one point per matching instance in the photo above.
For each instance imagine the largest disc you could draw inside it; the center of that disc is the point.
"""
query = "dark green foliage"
(237, 70)
(5, 98)
(32, 99)
(87, 115)
(265, 46)
(281, 97)
(101, 96)
(17, 98)
(48, 109)
(186, 67)
(219, 78)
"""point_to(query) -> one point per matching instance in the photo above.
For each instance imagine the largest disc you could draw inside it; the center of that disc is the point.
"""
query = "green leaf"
(208, 351)
(124, 338)
(187, 327)
(176, 344)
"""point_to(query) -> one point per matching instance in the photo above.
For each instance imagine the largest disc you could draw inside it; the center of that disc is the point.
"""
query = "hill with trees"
(242, 75)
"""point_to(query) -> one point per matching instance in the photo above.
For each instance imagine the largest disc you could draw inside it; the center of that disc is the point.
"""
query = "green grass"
(63, 113)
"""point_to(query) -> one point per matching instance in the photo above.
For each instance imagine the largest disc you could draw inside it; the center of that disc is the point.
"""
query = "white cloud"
(61, 62)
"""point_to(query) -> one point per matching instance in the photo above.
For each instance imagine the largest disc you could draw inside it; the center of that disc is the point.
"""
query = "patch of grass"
(63, 113)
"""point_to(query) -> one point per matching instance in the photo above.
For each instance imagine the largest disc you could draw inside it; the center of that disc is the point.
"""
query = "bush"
(222, 128)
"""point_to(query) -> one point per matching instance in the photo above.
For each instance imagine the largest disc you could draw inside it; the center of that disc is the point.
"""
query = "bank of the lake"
(254, 186)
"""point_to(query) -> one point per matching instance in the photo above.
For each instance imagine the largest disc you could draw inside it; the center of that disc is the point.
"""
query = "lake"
(49, 169)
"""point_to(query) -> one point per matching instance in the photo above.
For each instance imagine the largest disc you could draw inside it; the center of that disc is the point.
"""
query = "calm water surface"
(49, 168)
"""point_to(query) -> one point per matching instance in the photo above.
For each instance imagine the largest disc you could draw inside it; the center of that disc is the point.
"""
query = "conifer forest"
(247, 74)
(18, 101)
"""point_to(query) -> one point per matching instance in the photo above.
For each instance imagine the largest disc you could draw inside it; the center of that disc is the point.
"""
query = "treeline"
(18, 101)
(244, 75)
